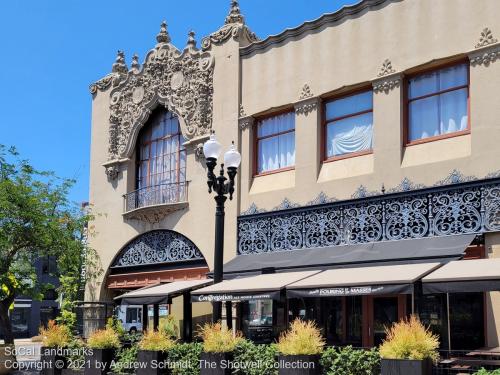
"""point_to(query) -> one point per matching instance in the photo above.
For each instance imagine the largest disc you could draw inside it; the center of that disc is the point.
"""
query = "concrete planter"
(99, 362)
(149, 357)
(299, 364)
(6, 355)
(53, 363)
(406, 366)
(215, 363)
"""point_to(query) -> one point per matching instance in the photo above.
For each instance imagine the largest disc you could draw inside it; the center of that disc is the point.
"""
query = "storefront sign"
(234, 297)
(351, 291)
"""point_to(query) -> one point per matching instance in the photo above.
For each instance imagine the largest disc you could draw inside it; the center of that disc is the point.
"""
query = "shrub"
(125, 360)
(218, 338)
(156, 341)
(187, 356)
(410, 339)
(247, 352)
(483, 371)
(76, 354)
(347, 360)
(301, 338)
(115, 324)
(55, 335)
(68, 319)
(169, 327)
(104, 339)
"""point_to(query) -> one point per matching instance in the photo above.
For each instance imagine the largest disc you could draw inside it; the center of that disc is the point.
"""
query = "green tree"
(37, 219)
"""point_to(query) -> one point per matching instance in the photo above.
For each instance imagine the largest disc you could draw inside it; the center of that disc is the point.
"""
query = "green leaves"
(347, 360)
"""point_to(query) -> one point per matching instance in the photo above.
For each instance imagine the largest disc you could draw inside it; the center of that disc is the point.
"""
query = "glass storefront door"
(385, 313)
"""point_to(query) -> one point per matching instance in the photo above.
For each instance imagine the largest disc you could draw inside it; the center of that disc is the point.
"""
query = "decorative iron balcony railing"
(470, 207)
(156, 195)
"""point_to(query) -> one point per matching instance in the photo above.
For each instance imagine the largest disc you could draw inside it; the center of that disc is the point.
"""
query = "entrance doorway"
(382, 312)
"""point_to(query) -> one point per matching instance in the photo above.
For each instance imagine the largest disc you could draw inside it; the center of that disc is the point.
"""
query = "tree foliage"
(37, 220)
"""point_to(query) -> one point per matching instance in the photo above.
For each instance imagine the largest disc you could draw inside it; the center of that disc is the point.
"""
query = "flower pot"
(53, 361)
(299, 364)
(6, 354)
(215, 363)
(153, 362)
(406, 366)
(98, 361)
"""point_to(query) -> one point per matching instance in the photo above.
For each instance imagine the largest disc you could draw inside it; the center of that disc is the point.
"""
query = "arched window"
(161, 156)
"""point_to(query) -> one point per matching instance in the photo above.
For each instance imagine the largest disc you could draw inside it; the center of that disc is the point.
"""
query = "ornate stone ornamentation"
(485, 57)
(198, 152)
(234, 26)
(386, 69)
(241, 111)
(363, 192)
(112, 171)
(253, 209)
(306, 106)
(305, 92)
(157, 247)
(387, 83)
(118, 74)
(470, 206)
(183, 82)
(486, 38)
(246, 122)
(135, 66)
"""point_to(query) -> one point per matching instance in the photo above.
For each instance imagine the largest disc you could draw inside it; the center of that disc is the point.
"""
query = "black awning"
(477, 275)
(427, 249)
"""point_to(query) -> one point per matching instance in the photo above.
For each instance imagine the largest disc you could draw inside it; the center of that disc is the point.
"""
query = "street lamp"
(222, 188)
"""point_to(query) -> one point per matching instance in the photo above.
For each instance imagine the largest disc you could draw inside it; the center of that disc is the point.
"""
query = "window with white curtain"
(161, 156)
(349, 125)
(276, 143)
(438, 103)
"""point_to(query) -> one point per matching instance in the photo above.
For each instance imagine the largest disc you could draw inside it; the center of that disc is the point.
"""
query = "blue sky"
(53, 49)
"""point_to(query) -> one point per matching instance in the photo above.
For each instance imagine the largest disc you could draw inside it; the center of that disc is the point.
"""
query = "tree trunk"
(5, 320)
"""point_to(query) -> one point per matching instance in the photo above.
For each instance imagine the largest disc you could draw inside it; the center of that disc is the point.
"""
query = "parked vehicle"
(130, 317)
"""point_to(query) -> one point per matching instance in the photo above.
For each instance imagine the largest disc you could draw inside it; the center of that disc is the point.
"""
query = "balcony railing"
(157, 195)
(469, 207)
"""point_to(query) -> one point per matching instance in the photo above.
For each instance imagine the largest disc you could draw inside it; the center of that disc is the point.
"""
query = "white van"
(130, 316)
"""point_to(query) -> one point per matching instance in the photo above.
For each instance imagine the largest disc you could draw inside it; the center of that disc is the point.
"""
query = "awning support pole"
(448, 319)
(156, 316)
(144, 318)
(229, 314)
(187, 321)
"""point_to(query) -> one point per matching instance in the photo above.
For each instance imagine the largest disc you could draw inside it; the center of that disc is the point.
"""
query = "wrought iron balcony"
(153, 203)
(469, 207)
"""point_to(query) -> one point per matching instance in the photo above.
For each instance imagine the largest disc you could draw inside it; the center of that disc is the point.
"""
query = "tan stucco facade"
(297, 69)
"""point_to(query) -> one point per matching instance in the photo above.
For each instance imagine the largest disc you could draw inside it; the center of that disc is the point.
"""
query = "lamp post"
(222, 187)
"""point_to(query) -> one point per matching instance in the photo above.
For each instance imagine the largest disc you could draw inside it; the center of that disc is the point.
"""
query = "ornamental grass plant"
(410, 339)
(157, 341)
(104, 339)
(55, 335)
(218, 338)
(302, 338)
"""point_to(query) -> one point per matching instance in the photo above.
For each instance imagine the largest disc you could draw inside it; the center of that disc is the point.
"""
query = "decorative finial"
(234, 15)
(163, 36)
(120, 66)
(486, 38)
(383, 189)
(191, 42)
(386, 68)
(135, 62)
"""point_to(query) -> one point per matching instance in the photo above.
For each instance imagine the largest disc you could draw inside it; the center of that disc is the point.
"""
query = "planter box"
(146, 357)
(299, 364)
(70, 371)
(99, 362)
(406, 366)
(4, 349)
(52, 362)
(215, 363)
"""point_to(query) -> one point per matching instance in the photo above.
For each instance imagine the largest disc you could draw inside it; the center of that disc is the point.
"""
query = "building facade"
(367, 133)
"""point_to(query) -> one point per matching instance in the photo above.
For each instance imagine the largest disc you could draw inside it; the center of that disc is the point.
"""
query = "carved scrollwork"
(406, 218)
(363, 223)
(306, 106)
(286, 232)
(386, 69)
(254, 235)
(181, 81)
(157, 247)
(486, 38)
(322, 228)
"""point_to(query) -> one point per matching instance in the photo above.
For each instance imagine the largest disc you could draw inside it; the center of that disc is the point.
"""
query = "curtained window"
(349, 125)
(438, 103)
(276, 143)
(161, 155)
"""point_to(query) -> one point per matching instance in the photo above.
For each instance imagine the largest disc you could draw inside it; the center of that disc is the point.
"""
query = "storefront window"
(20, 317)
(257, 320)
(354, 321)
(333, 316)
(466, 320)
(432, 313)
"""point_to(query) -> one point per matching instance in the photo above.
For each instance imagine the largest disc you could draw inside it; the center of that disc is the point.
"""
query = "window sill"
(438, 138)
(347, 156)
(267, 173)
